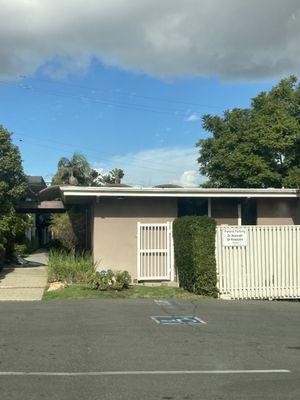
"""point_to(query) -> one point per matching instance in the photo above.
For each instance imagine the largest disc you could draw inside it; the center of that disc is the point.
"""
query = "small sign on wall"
(234, 236)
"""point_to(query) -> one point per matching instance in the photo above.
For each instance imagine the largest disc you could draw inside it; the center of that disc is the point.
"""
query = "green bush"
(194, 246)
(26, 246)
(122, 280)
(109, 280)
(12, 231)
(69, 229)
(69, 267)
(102, 280)
(55, 244)
(62, 231)
(21, 250)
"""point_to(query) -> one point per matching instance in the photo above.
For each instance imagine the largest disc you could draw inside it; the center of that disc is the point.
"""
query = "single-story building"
(130, 228)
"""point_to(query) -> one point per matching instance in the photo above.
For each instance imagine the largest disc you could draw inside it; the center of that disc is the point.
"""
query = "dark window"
(223, 208)
(249, 212)
(192, 206)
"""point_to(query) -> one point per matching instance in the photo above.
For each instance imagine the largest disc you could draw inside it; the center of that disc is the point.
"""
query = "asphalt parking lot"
(112, 349)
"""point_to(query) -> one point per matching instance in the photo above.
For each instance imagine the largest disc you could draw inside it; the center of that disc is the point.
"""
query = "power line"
(134, 95)
(136, 106)
(130, 106)
(90, 151)
(84, 148)
(123, 162)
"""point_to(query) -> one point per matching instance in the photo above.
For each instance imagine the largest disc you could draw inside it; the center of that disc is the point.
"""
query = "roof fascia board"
(182, 194)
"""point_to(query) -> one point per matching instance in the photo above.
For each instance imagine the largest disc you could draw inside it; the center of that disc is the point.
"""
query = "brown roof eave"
(50, 193)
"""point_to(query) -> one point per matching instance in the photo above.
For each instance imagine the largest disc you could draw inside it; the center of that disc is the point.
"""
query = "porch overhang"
(52, 206)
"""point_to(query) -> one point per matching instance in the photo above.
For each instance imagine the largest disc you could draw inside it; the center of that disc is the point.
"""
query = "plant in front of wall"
(69, 230)
(101, 280)
(122, 280)
(69, 267)
(109, 280)
(63, 231)
(194, 246)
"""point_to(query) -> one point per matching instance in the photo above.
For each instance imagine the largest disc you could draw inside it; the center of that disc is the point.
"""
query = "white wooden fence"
(155, 256)
(259, 262)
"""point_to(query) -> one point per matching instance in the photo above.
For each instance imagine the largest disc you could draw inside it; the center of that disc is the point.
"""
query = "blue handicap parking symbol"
(172, 320)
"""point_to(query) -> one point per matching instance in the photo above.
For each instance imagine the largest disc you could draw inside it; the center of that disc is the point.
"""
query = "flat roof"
(103, 191)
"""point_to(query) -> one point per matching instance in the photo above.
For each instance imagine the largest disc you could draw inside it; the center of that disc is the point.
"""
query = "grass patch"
(81, 291)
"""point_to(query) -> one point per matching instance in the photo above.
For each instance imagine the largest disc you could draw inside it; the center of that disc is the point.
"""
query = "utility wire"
(134, 95)
(123, 162)
(144, 107)
(85, 149)
(34, 143)
(128, 106)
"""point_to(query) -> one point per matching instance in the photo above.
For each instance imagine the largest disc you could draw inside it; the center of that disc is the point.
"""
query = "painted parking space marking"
(178, 320)
(164, 303)
(169, 304)
(113, 373)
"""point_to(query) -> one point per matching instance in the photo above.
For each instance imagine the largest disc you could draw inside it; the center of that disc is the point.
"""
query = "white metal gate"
(265, 264)
(155, 258)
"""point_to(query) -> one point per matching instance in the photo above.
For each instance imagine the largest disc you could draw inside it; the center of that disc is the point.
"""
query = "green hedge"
(194, 245)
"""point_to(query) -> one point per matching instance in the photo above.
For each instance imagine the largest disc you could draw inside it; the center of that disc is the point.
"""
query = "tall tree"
(74, 171)
(12, 187)
(77, 171)
(115, 176)
(257, 146)
(12, 178)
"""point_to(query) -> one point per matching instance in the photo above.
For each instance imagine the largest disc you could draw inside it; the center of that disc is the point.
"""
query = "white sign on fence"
(234, 236)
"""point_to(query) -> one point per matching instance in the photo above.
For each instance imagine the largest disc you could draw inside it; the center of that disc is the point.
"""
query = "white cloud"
(189, 178)
(157, 166)
(193, 118)
(243, 40)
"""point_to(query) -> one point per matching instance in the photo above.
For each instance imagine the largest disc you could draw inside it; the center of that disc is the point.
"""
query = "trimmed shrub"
(194, 246)
(69, 267)
(109, 280)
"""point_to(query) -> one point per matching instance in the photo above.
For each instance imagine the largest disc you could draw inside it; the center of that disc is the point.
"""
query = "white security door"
(155, 259)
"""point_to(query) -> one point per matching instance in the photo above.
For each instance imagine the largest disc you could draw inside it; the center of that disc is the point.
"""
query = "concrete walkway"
(25, 282)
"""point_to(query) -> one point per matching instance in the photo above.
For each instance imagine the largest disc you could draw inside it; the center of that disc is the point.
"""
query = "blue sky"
(145, 125)
(126, 82)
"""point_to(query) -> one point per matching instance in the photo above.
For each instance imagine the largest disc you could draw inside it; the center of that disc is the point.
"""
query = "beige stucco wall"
(114, 223)
(278, 211)
(115, 228)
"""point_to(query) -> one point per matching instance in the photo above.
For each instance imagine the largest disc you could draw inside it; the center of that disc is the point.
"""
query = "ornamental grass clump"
(194, 246)
(69, 267)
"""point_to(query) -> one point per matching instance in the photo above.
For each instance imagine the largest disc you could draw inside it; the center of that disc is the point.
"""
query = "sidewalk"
(26, 282)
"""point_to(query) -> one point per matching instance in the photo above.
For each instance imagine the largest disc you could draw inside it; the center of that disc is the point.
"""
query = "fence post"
(172, 264)
(138, 251)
